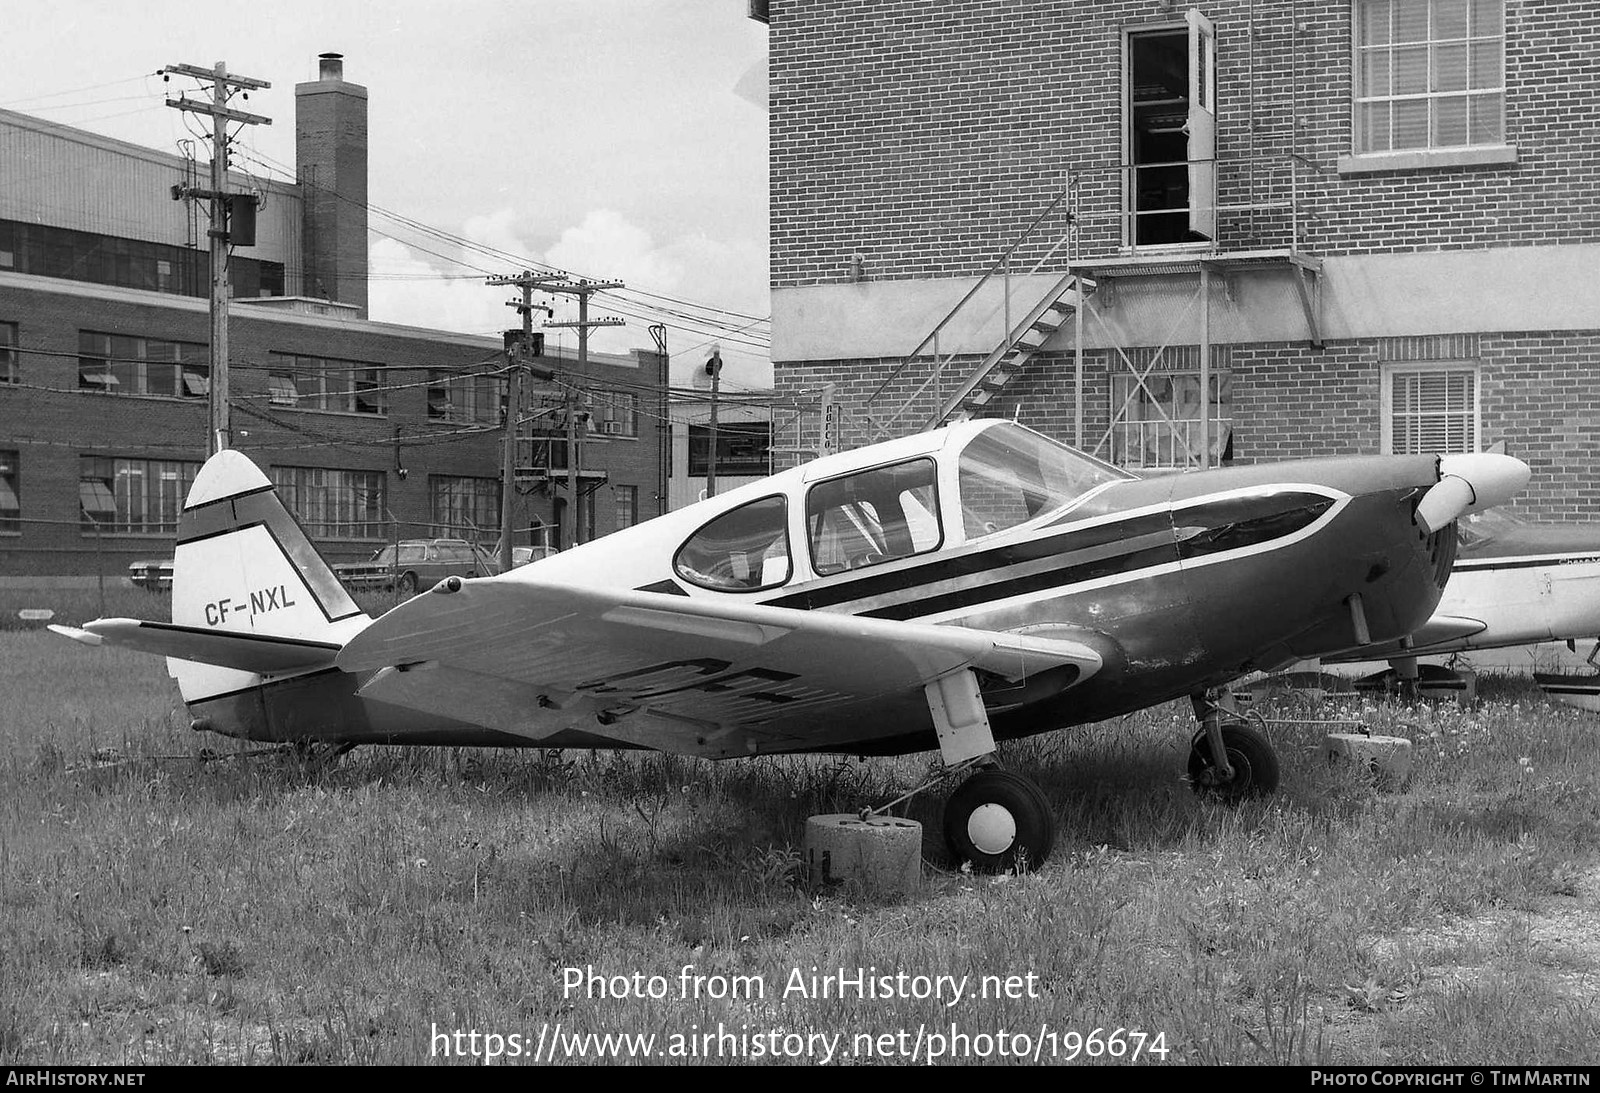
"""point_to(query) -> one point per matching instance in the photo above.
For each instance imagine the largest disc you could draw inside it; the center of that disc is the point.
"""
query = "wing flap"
(247, 652)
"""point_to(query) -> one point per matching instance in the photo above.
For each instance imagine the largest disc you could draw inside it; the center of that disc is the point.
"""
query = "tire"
(1000, 822)
(408, 583)
(1250, 754)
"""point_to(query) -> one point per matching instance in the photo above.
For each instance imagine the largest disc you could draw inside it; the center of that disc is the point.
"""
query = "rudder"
(244, 564)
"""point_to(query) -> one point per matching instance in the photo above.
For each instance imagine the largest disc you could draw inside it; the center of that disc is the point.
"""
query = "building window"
(318, 383)
(9, 370)
(627, 499)
(10, 494)
(1429, 74)
(1155, 425)
(464, 508)
(333, 503)
(468, 399)
(1430, 408)
(122, 364)
(743, 448)
(133, 496)
(616, 413)
(586, 511)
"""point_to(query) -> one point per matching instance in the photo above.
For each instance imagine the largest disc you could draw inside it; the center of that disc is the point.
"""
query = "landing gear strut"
(1229, 759)
(1000, 822)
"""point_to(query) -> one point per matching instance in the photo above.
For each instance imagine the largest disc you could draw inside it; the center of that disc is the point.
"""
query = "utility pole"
(582, 290)
(664, 425)
(223, 86)
(518, 364)
(714, 370)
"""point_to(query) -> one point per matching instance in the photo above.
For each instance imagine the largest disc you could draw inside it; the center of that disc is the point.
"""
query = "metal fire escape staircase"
(1255, 232)
(1019, 342)
(1055, 309)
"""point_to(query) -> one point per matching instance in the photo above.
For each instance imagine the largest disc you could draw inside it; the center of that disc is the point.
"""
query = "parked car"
(151, 574)
(414, 564)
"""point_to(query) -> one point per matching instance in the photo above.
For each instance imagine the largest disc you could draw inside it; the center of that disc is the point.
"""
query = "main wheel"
(999, 822)
(1250, 754)
(408, 583)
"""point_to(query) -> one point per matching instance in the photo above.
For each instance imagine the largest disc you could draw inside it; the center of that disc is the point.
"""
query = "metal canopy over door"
(1201, 127)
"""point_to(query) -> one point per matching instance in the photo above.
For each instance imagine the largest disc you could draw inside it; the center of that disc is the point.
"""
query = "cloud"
(412, 287)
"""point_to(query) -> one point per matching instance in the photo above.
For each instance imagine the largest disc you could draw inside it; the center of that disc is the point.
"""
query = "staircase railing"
(1001, 269)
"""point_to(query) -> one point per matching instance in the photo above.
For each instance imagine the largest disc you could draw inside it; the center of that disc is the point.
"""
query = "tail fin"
(245, 566)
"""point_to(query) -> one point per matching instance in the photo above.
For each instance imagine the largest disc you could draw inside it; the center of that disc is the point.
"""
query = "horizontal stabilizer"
(228, 649)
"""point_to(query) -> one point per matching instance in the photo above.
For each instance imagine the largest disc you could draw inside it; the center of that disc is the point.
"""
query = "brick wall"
(51, 424)
(1292, 401)
(924, 135)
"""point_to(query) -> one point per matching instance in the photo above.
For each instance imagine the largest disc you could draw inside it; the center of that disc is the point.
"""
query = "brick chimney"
(331, 155)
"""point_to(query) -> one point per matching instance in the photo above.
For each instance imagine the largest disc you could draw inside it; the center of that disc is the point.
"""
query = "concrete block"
(880, 853)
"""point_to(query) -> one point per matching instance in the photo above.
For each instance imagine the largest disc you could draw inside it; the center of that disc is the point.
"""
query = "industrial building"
(372, 431)
(1180, 235)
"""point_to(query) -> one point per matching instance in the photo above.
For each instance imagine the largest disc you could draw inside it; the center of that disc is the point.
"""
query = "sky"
(601, 137)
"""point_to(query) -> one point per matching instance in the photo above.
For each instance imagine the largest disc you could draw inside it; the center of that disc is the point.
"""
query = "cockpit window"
(874, 516)
(1008, 475)
(744, 550)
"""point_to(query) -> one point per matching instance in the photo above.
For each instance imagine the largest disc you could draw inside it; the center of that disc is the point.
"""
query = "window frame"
(298, 367)
(679, 569)
(466, 495)
(160, 509)
(187, 361)
(373, 529)
(1367, 161)
(11, 482)
(813, 536)
(10, 362)
(1391, 369)
(1220, 420)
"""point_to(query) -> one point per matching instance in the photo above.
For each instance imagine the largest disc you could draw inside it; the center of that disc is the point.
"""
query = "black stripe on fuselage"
(1483, 565)
(1207, 528)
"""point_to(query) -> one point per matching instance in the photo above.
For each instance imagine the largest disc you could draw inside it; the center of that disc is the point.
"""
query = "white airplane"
(944, 590)
(1512, 583)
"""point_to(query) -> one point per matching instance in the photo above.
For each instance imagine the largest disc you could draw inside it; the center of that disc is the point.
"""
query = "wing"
(693, 675)
(248, 652)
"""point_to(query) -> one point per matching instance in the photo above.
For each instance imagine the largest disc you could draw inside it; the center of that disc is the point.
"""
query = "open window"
(1171, 119)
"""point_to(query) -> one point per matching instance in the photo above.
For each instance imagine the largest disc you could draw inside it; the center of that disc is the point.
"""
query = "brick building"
(372, 431)
(1357, 225)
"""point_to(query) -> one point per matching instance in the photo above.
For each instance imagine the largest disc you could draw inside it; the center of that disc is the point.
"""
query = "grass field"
(158, 908)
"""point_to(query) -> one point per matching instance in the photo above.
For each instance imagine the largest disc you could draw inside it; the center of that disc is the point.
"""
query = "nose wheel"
(1250, 770)
(1000, 822)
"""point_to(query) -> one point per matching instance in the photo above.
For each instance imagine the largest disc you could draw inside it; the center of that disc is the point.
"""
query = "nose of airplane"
(1470, 483)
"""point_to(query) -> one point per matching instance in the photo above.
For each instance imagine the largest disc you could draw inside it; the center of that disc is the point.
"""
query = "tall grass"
(165, 909)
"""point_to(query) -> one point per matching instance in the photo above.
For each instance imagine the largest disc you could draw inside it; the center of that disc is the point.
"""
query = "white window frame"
(1177, 437)
(1361, 161)
(1393, 369)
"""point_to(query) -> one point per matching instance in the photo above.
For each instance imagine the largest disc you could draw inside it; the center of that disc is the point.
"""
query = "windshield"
(1009, 474)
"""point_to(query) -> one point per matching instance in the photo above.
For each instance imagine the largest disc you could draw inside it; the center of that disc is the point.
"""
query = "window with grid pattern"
(1429, 74)
(317, 383)
(464, 508)
(1431, 408)
(125, 364)
(10, 493)
(9, 372)
(334, 503)
(133, 496)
